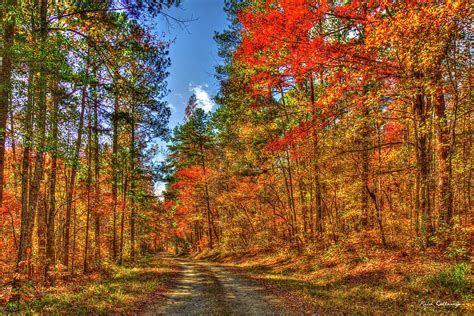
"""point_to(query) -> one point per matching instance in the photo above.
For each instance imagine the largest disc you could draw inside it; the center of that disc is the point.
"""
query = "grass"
(124, 289)
(456, 280)
(366, 281)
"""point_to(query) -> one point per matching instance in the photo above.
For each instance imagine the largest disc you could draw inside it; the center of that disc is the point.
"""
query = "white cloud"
(203, 100)
(159, 189)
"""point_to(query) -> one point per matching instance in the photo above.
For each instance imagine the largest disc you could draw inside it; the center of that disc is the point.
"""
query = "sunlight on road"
(211, 290)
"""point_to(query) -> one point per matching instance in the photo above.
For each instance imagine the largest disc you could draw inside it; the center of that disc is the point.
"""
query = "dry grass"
(348, 279)
(121, 289)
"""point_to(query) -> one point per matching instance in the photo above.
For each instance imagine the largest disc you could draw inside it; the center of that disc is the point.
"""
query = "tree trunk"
(34, 187)
(115, 122)
(421, 111)
(25, 175)
(41, 233)
(97, 216)
(74, 232)
(443, 189)
(132, 190)
(206, 192)
(50, 255)
(292, 197)
(364, 197)
(88, 185)
(378, 214)
(304, 213)
(316, 170)
(35, 204)
(5, 83)
(72, 180)
(124, 208)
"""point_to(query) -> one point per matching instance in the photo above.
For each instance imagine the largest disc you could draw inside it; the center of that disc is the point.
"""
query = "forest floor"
(337, 281)
(127, 289)
(372, 281)
(155, 285)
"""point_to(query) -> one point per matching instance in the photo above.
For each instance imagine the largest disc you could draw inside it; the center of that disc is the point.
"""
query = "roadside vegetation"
(114, 289)
(350, 278)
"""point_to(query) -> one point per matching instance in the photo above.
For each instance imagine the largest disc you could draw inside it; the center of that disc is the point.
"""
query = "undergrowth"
(121, 289)
(357, 279)
(456, 280)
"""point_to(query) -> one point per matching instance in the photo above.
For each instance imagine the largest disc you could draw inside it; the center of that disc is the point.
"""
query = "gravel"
(204, 289)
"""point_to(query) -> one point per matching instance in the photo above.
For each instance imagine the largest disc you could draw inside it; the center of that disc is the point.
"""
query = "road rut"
(205, 289)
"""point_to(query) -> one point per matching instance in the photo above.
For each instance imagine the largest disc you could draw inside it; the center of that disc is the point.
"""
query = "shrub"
(455, 279)
(458, 251)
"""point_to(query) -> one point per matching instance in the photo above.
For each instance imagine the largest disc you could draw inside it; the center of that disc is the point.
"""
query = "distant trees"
(190, 151)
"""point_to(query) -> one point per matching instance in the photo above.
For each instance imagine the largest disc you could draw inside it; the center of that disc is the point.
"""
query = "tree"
(190, 148)
(337, 120)
(82, 86)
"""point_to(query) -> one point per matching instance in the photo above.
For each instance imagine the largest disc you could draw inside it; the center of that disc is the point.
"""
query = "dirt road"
(204, 289)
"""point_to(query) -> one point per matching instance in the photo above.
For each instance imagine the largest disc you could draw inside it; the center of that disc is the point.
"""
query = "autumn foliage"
(338, 120)
(81, 90)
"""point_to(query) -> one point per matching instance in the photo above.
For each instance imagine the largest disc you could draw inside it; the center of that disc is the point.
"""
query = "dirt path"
(205, 289)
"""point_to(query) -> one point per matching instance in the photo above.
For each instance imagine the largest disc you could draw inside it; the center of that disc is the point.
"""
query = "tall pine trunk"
(35, 185)
(50, 255)
(5, 82)
(97, 216)
(31, 189)
(25, 174)
(88, 185)
(132, 190)
(115, 121)
(72, 180)
(124, 209)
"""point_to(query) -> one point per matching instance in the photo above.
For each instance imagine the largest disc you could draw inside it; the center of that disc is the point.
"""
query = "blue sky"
(193, 54)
